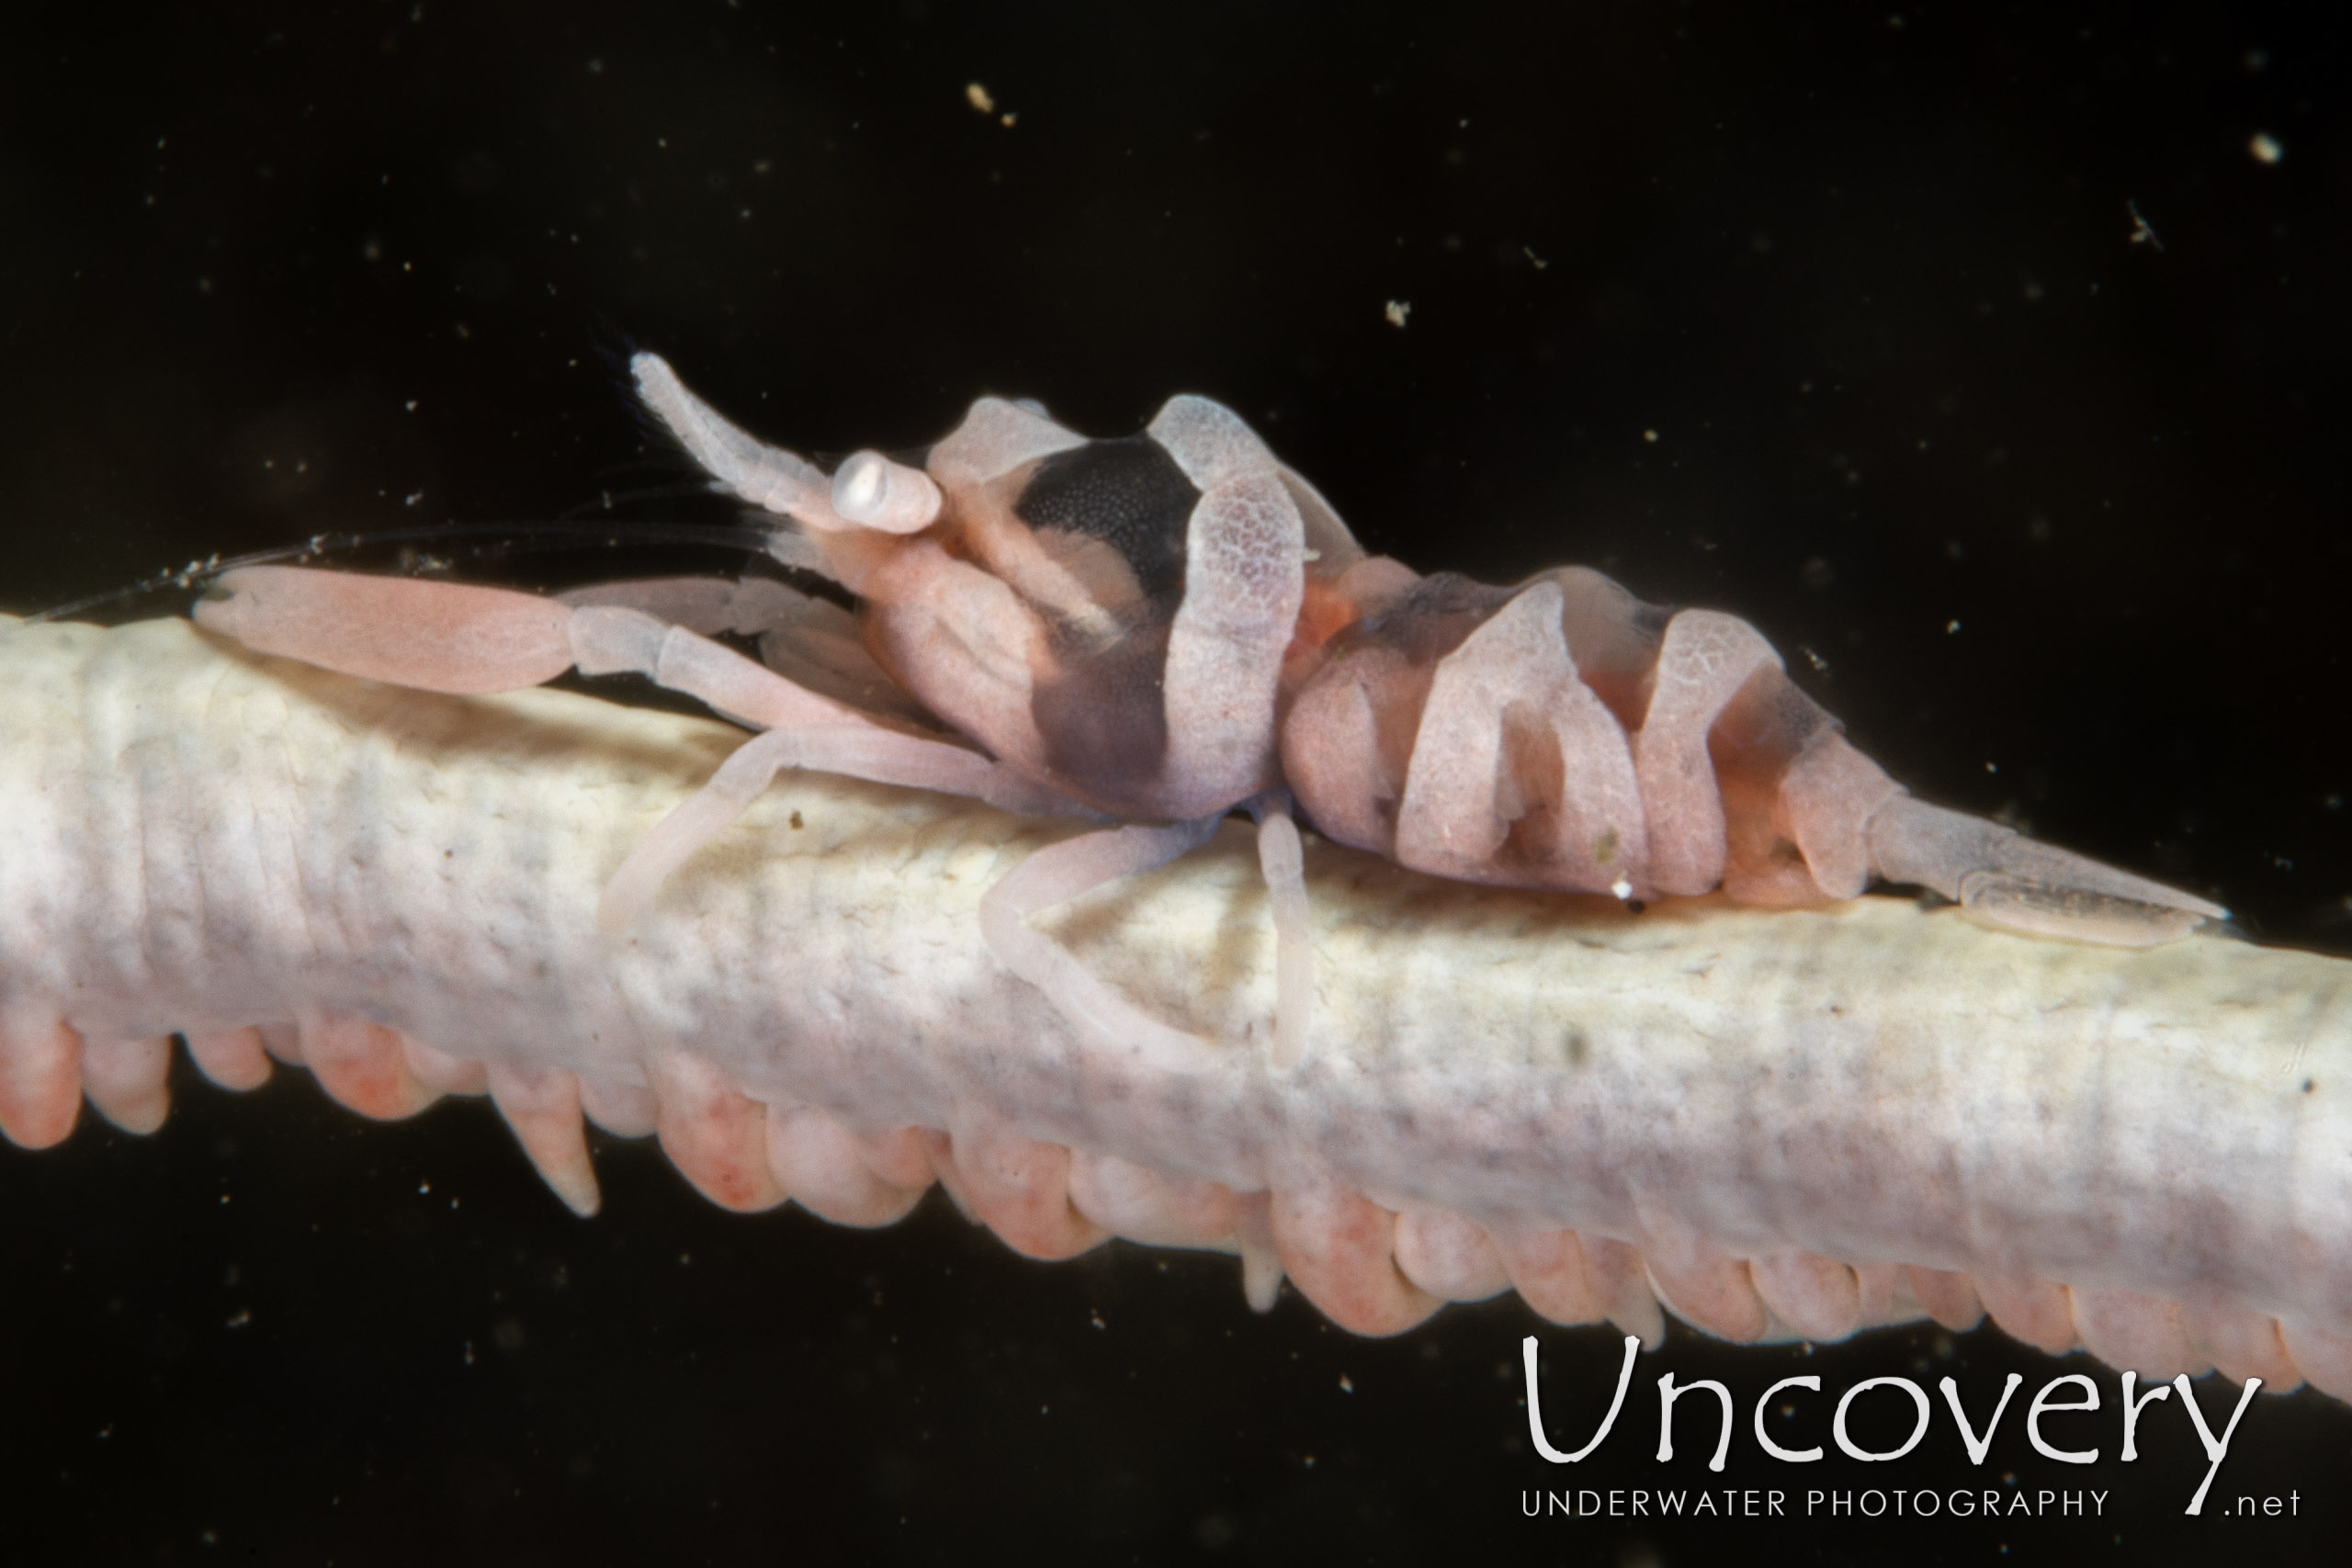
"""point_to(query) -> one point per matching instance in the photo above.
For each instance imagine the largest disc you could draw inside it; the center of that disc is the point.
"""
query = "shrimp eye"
(875, 493)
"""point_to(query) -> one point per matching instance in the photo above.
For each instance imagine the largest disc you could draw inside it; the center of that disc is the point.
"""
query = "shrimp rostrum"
(1159, 629)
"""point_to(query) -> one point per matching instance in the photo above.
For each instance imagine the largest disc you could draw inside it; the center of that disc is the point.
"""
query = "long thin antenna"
(517, 538)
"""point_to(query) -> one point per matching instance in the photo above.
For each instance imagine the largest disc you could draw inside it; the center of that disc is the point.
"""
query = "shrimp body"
(1165, 623)
(1169, 626)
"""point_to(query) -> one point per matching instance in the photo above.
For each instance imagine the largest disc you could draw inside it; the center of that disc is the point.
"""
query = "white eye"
(875, 493)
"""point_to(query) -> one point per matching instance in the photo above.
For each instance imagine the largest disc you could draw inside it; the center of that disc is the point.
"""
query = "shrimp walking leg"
(1056, 874)
(851, 750)
(1281, 859)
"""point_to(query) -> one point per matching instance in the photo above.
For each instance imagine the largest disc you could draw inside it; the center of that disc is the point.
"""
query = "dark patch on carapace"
(1102, 712)
(1432, 619)
(1128, 494)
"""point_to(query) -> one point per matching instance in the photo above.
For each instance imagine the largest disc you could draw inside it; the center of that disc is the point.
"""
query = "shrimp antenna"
(512, 537)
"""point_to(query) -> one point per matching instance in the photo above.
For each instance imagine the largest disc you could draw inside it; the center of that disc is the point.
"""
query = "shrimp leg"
(465, 639)
(1059, 873)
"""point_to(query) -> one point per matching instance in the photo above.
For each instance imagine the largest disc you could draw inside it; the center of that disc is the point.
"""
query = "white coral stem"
(1814, 1118)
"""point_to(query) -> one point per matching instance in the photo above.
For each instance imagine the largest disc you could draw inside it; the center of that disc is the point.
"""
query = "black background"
(2052, 517)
